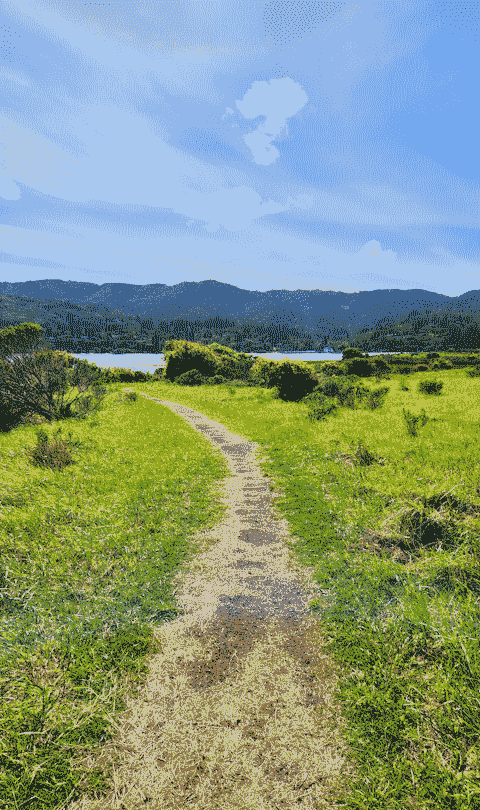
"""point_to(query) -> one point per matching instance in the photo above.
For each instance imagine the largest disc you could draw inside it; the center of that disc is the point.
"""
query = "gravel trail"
(238, 708)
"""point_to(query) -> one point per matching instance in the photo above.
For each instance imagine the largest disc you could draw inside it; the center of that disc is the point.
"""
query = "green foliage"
(131, 396)
(432, 355)
(376, 398)
(40, 384)
(56, 454)
(473, 372)
(332, 369)
(421, 367)
(350, 352)
(294, 379)
(192, 377)
(414, 421)
(26, 337)
(430, 387)
(360, 367)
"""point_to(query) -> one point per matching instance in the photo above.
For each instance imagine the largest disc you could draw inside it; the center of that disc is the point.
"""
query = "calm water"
(149, 362)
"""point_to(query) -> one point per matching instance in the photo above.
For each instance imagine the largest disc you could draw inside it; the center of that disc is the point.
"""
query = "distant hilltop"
(207, 298)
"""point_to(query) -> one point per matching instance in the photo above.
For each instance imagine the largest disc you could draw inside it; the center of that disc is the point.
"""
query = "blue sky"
(269, 145)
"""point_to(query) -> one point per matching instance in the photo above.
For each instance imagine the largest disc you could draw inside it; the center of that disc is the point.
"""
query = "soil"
(238, 710)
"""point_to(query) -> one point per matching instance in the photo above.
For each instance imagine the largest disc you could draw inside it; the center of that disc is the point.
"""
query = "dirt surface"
(238, 708)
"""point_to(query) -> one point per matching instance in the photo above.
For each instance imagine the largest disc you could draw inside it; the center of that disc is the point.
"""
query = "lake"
(149, 362)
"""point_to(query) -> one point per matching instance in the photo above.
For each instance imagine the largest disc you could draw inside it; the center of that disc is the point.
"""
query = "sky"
(269, 145)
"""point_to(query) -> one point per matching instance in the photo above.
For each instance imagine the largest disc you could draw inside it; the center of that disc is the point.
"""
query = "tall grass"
(384, 503)
(92, 530)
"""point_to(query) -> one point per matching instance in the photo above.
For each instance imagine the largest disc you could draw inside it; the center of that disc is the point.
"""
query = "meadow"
(384, 502)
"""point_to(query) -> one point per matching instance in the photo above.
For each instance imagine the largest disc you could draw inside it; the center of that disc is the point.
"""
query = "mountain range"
(207, 298)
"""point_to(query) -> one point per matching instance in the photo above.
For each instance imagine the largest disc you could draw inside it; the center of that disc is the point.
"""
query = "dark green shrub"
(159, 372)
(430, 387)
(183, 356)
(404, 370)
(218, 379)
(445, 364)
(380, 364)
(319, 406)
(351, 352)
(55, 455)
(413, 421)
(331, 369)
(376, 399)
(192, 377)
(421, 367)
(131, 396)
(473, 372)
(293, 378)
(360, 367)
(432, 355)
(363, 456)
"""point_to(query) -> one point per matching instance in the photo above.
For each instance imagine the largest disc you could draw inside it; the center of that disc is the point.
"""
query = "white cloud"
(277, 100)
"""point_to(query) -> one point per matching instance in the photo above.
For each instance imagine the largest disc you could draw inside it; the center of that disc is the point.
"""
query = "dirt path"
(237, 711)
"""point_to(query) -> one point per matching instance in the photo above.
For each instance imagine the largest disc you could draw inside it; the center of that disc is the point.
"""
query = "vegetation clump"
(389, 523)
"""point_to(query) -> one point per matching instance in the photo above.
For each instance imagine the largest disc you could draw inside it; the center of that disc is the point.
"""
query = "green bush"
(445, 364)
(380, 364)
(473, 372)
(404, 370)
(413, 421)
(376, 398)
(319, 406)
(421, 367)
(351, 352)
(131, 396)
(430, 387)
(183, 356)
(55, 455)
(432, 355)
(360, 367)
(331, 369)
(294, 379)
(192, 377)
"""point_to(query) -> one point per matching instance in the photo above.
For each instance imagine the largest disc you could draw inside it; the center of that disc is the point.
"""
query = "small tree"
(34, 380)
(351, 352)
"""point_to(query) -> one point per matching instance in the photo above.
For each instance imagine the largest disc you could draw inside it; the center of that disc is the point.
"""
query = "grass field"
(390, 520)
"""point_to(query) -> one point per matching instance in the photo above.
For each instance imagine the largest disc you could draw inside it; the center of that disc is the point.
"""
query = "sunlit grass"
(91, 549)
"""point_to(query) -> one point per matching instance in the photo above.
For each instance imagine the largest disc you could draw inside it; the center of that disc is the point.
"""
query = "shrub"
(404, 370)
(421, 367)
(376, 398)
(192, 377)
(363, 456)
(293, 378)
(218, 379)
(413, 421)
(55, 455)
(319, 406)
(131, 396)
(35, 385)
(473, 372)
(430, 387)
(432, 355)
(331, 369)
(159, 372)
(351, 352)
(183, 356)
(445, 364)
(360, 367)
(380, 364)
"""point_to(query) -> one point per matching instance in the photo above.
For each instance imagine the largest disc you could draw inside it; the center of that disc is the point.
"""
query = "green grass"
(87, 557)
(390, 521)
